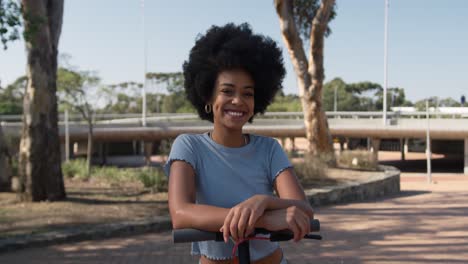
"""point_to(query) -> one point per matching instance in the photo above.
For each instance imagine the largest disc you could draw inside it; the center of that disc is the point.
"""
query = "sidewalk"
(426, 223)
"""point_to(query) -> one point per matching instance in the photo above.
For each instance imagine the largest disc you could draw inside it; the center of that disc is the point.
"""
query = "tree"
(309, 19)
(436, 102)
(173, 82)
(361, 96)
(39, 157)
(285, 103)
(11, 97)
(123, 97)
(395, 95)
(76, 92)
(345, 100)
(10, 21)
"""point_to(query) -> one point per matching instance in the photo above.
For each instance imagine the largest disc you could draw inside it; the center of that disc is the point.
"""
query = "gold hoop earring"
(207, 108)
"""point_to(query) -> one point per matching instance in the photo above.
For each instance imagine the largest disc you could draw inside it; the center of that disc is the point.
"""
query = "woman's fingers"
(251, 224)
(226, 226)
(242, 224)
(298, 222)
(233, 227)
(303, 223)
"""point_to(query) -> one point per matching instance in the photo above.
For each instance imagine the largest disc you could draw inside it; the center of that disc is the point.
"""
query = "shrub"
(153, 178)
(312, 169)
(358, 159)
(14, 166)
(114, 174)
(75, 169)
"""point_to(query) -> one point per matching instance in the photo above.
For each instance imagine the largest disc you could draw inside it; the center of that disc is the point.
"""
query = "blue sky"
(427, 49)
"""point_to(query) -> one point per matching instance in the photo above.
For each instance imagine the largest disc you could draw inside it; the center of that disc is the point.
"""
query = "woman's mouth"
(234, 113)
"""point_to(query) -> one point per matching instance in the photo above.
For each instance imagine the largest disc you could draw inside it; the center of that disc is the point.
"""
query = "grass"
(152, 178)
(313, 170)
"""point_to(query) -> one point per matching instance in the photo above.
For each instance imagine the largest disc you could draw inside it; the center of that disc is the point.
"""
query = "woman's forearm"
(275, 203)
(199, 216)
(211, 218)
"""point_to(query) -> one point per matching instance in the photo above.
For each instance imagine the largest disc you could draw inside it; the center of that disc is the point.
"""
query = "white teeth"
(232, 113)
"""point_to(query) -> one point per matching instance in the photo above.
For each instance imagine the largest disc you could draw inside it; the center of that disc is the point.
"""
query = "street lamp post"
(385, 65)
(143, 111)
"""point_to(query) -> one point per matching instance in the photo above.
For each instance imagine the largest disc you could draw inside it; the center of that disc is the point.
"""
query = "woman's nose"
(237, 99)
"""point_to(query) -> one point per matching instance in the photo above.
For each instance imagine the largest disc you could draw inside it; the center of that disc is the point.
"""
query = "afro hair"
(233, 47)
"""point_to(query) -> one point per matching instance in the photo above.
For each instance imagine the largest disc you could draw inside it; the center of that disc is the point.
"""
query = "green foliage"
(435, 101)
(153, 178)
(75, 169)
(285, 103)
(176, 103)
(346, 101)
(357, 159)
(10, 21)
(11, 97)
(126, 97)
(361, 96)
(174, 81)
(304, 12)
(114, 174)
(75, 90)
(14, 167)
(10, 108)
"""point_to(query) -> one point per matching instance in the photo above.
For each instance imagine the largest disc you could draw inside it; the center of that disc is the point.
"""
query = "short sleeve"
(279, 160)
(182, 149)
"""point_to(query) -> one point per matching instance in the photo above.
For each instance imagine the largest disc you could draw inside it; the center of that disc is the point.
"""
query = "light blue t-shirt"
(226, 176)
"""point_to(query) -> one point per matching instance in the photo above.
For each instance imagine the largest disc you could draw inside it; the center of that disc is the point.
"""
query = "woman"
(224, 180)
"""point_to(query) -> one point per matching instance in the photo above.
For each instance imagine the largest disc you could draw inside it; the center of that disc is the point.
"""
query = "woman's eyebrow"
(232, 85)
(228, 84)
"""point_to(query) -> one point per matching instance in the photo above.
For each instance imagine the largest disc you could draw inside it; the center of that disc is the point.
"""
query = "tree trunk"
(89, 154)
(5, 164)
(309, 72)
(40, 162)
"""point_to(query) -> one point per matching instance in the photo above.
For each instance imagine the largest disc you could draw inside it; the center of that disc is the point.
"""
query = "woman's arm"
(185, 213)
(290, 193)
(291, 210)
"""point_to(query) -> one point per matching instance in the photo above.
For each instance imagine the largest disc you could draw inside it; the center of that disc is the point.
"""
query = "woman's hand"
(292, 218)
(241, 219)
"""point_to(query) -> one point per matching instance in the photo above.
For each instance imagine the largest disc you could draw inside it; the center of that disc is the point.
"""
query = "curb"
(103, 231)
(375, 187)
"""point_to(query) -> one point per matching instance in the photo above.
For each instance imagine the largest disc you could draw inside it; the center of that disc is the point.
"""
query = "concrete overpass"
(348, 125)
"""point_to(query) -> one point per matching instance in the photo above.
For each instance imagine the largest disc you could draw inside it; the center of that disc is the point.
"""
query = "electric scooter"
(195, 235)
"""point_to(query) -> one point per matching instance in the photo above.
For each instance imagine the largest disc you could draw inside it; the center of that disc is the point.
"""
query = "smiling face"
(233, 99)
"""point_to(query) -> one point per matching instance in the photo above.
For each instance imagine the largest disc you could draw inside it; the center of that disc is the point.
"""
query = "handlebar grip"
(314, 225)
(194, 235)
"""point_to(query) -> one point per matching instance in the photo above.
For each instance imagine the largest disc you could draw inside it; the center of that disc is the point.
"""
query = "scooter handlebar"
(195, 235)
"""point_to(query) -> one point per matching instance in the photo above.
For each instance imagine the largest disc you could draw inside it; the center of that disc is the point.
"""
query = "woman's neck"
(229, 138)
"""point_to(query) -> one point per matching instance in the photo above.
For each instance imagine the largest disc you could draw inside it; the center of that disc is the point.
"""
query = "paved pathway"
(427, 223)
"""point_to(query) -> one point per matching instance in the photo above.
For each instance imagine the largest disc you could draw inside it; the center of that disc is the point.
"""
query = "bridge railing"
(115, 118)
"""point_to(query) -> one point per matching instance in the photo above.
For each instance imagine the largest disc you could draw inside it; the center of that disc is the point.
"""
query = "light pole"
(428, 145)
(334, 101)
(384, 95)
(143, 111)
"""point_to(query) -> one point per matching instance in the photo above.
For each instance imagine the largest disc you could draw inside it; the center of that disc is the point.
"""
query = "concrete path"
(427, 223)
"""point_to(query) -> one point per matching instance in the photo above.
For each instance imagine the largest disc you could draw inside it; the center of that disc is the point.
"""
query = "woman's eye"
(229, 92)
